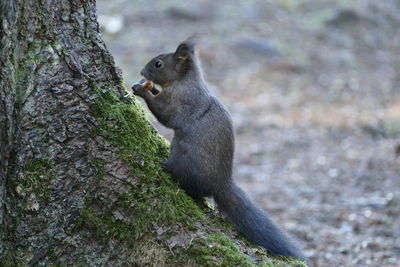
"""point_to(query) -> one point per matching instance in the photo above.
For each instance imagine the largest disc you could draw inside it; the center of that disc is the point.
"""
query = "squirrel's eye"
(158, 64)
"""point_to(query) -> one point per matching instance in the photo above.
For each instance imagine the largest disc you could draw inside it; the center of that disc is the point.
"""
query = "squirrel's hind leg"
(189, 177)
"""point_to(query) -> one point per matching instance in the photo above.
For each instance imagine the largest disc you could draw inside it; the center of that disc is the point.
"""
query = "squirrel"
(201, 151)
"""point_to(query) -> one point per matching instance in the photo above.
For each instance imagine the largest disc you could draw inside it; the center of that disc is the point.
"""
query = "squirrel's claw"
(139, 90)
(128, 94)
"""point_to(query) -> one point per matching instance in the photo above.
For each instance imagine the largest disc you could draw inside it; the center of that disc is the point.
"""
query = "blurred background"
(314, 91)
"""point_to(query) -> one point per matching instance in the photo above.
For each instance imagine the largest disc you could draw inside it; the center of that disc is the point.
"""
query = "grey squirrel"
(201, 151)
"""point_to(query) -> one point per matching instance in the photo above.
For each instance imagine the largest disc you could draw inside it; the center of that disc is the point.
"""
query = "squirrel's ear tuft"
(184, 50)
(184, 54)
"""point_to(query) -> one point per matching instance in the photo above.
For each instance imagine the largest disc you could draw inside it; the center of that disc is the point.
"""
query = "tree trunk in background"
(80, 176)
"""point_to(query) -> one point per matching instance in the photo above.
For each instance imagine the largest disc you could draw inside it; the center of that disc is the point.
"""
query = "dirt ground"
(314, 91)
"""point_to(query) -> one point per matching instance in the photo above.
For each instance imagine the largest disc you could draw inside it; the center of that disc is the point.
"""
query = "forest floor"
(314, 91)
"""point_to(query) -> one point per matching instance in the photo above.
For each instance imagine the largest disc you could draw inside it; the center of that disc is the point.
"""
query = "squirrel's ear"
(183, 53)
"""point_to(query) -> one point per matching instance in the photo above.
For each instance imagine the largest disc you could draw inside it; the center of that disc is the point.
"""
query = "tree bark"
(80, 175)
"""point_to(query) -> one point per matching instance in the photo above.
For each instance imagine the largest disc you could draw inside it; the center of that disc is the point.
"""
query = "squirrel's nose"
(142, 72)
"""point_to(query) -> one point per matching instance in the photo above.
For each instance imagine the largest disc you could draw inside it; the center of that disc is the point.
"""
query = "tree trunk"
(80, 175)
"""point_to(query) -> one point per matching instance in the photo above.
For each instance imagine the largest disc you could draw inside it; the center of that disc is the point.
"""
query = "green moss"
(284, 262)
(217, 250)
(19, 78)
(9, 257)
(98, 166)
(54, 259)
(32, 59)
(260, 256)
(103, 224)
(156, 198)
(37, 175)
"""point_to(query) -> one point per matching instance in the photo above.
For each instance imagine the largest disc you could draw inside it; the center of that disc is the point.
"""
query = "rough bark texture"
(80, 176)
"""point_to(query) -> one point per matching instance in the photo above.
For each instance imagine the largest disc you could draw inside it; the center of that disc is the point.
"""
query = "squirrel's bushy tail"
(254, 224)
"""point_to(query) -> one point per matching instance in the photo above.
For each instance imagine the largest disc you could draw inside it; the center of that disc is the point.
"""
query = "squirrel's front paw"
(139, 90)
